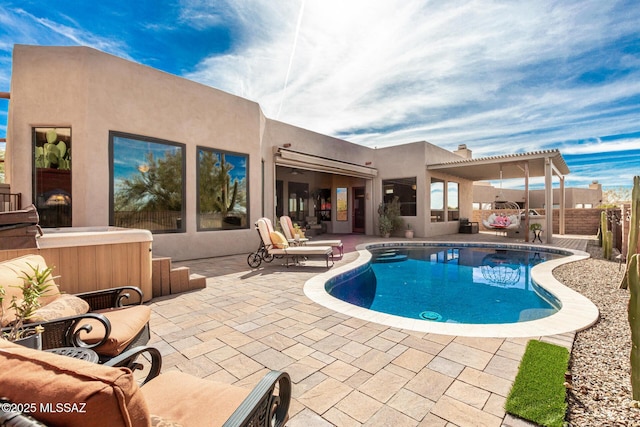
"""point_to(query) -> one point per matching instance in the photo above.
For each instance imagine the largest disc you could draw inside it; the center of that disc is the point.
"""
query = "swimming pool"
(557, 310)
(451, 284)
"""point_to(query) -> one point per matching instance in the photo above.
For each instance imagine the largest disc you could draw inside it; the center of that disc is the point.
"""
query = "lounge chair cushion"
(11, 273)
(126, 323)
(278, 240)
(63, 306)
(111, 396)
(210, 403)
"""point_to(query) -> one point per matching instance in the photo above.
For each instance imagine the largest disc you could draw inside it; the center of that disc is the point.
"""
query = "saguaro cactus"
(634, 323)
(634, 227)
(227, 200)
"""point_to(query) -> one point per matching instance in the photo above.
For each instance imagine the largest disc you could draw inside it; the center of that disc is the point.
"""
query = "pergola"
(544, 163)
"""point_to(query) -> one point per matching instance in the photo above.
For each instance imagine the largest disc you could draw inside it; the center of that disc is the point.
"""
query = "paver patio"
(345, 371)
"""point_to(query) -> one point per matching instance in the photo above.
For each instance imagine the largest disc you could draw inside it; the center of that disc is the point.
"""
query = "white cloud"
(23, 27)
(480, 73)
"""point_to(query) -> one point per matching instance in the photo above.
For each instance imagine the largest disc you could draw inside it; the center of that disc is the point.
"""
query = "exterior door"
(358, 210)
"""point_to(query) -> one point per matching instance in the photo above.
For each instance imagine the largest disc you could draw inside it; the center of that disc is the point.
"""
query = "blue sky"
(499, 76)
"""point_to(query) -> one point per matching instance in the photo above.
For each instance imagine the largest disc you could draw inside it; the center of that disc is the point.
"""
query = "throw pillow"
(278, 240)
(63, 306)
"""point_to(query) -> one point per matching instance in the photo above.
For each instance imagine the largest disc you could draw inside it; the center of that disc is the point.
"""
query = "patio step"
(168, 280)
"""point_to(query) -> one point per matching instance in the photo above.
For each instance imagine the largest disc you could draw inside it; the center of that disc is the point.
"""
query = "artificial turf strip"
(538, 393)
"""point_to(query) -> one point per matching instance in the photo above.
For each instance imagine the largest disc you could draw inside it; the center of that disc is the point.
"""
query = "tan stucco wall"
(94, 93)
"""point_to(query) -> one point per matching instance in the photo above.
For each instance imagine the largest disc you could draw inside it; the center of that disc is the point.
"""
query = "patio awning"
(524, 165)
(511, 165)
(298, 160)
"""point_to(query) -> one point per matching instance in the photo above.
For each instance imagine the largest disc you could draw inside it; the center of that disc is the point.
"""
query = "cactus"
(634, 322)
(634, 227)
(607, 236)
(227, 201)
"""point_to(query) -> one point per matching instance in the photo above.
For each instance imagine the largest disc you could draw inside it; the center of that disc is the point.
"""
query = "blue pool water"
(476, 285)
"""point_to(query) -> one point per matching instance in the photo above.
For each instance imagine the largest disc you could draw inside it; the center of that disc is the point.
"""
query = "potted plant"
(385, 225)
(408, 233)
(34, 286)
(389, 217)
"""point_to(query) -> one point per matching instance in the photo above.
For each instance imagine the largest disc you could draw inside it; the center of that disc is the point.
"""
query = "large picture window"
(147, 183)
(405, 190)
(52, 178)
(222, 189)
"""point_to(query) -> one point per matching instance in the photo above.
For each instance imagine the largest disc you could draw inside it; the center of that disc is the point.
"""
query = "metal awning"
(298, 160)
(511, 165)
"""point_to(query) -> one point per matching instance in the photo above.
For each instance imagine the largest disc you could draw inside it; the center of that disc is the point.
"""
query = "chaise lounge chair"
(289, 233)
(41, 388)
(274, 244)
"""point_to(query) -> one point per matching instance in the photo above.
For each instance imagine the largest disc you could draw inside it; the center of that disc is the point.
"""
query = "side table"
(537, 235)
(77, 353)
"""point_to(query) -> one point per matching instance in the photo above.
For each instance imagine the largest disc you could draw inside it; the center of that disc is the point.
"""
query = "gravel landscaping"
(601, 394)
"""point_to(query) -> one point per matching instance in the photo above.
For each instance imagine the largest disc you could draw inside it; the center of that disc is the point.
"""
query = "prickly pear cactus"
(634, 323)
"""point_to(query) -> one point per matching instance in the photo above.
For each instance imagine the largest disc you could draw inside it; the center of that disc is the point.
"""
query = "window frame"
(181, 221)
(221, 152)
(398, 187)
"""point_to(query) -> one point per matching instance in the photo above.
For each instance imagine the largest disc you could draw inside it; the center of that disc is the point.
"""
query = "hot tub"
(93, 258)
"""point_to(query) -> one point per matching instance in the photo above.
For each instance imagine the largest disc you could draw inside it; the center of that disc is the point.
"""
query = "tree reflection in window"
(222, 189)
(147, 183)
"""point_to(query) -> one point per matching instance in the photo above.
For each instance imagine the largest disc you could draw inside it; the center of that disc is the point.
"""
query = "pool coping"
(577, 312)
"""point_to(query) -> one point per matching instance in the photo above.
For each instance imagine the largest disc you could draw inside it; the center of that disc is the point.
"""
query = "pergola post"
(548, 200)
(562, 206)
(526, 202)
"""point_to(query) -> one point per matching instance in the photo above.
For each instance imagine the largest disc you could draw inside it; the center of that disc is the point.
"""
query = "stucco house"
(94, 140)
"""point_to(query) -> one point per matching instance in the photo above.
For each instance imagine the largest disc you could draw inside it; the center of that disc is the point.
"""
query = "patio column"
(526, 202)
(562, 206)
(548, 200)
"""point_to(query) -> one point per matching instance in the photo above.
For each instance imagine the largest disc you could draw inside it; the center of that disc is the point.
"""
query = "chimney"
(463, 151)
(595, 186)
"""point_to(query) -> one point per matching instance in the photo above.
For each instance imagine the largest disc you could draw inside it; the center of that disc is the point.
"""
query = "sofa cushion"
(63, 306)
(126, 324)
(63, 391)
(11, 273)
(210, 403)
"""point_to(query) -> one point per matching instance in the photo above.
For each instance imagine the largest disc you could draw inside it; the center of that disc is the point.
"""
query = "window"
(437, 200)
(298, 201)
(405, 190)
(342, 206)
(222, 189)
(453, 212)
(147, 187)
(52, 178)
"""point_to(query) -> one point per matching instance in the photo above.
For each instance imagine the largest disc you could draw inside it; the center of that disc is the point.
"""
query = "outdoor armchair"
(108, 321)
(35, 383)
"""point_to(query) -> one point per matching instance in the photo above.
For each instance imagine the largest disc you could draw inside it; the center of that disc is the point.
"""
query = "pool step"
(390, 256)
